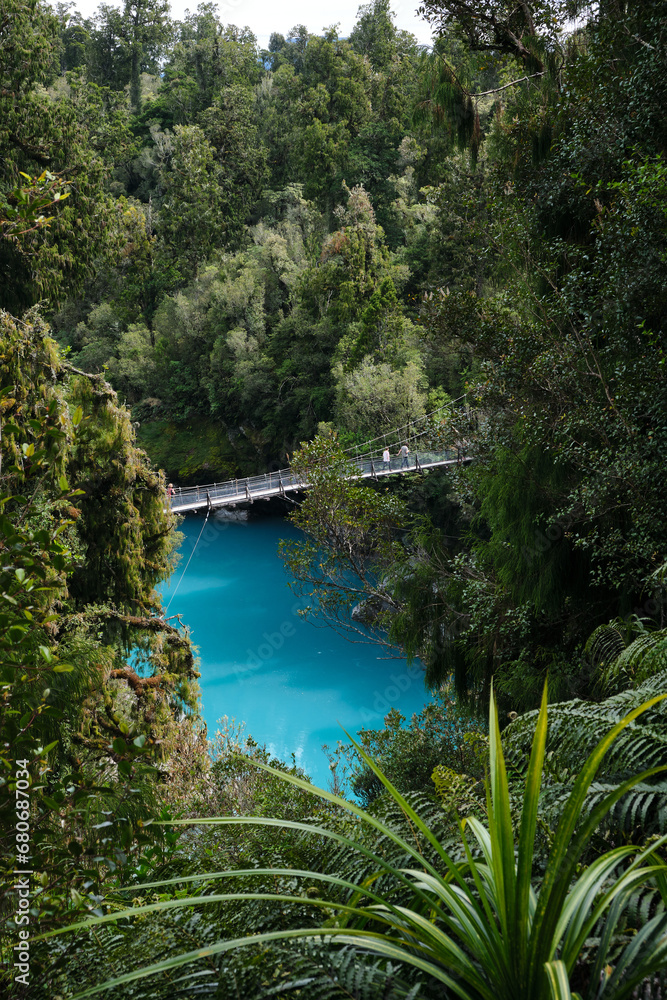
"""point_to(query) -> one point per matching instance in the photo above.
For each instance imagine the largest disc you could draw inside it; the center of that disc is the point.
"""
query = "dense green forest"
(214, 256)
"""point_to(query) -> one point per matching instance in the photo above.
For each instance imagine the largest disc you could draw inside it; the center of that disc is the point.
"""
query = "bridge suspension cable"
(400, 433)
(284, 481)
(180, 579)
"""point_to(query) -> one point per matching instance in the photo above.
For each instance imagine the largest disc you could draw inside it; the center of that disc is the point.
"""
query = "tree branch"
(41, 156)
(638, 39)
(108, 389)
(157, 625)
(138, 684)
(514, 83)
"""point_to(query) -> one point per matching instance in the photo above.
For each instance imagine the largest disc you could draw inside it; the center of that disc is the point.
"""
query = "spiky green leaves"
(480, 926)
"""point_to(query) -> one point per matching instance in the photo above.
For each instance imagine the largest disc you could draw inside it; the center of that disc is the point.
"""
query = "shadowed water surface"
(289, 681)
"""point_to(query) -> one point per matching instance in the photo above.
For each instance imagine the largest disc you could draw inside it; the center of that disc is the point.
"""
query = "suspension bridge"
(423, 437)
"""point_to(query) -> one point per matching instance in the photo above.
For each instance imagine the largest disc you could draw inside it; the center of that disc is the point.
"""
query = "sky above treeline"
(265, 16)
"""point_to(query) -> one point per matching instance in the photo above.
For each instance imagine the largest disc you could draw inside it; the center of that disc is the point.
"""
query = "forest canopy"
(343, 234)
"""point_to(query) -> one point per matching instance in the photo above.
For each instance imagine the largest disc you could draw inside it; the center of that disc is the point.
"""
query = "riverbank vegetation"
(217, 252)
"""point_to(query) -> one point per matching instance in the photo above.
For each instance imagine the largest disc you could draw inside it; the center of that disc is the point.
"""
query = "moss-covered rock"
(201, 450)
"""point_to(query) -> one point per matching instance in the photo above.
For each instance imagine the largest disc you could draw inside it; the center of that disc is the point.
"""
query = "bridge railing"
(285, 481)
(429, 438)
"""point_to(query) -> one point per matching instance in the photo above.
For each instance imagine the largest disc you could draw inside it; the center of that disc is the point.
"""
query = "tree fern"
(575, 727)
(608, 641)
(645, 656)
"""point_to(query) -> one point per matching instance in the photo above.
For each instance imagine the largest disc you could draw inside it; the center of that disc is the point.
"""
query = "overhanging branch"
(514, 83)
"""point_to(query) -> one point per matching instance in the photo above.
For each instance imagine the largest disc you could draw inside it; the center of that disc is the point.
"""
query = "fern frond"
(644, 657)
(608, 641)
(574, 729)
(459, 794)
(644, 904)
(322, 973)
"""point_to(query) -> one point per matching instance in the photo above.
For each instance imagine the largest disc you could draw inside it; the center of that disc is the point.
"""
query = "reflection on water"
(293, 684)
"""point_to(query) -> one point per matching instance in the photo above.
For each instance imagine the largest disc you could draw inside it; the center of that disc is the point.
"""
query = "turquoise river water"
(292, 683)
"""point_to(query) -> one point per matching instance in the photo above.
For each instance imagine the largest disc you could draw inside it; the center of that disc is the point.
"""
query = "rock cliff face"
(368, 612)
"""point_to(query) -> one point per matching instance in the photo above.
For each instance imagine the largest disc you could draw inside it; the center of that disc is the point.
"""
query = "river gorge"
(293, 684)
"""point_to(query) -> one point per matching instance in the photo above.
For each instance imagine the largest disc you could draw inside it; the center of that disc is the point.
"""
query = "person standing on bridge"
(404, 451)
(386, 459)
(170, 491)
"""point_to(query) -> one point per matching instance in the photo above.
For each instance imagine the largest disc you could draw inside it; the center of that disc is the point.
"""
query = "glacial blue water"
(292, 683)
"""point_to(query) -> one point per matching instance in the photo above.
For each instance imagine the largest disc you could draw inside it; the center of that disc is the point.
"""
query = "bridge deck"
(272, 484)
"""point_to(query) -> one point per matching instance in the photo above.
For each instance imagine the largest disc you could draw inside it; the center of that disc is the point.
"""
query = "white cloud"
(265, 16)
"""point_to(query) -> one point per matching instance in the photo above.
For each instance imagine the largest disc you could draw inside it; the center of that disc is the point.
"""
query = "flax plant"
(477, 923)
